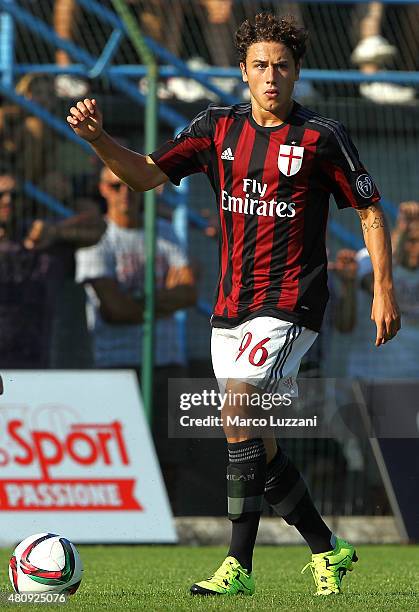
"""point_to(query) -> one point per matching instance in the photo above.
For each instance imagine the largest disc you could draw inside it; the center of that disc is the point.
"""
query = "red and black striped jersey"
(272, 188)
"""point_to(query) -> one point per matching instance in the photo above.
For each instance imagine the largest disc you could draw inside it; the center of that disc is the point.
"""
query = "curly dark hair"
(269, 28)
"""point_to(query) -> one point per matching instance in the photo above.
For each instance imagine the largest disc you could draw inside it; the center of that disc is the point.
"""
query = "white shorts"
(265, 352)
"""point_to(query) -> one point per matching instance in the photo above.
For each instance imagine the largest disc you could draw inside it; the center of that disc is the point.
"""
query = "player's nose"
(270, 75)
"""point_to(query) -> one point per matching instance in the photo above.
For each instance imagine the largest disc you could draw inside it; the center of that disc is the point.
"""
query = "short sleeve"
(349, 181)
(189, 152)
(94, 262)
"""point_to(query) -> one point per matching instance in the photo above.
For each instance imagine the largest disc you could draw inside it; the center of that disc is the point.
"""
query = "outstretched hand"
(86, 119)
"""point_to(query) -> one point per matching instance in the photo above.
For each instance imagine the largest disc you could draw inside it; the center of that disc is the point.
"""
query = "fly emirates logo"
(252, 202)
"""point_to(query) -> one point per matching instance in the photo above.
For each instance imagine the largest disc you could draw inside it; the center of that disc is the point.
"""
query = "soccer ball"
(45, 563)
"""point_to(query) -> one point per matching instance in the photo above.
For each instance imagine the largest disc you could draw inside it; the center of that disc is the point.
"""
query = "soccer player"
(273, 165)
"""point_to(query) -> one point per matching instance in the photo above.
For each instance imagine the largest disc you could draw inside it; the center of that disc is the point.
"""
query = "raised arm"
(138, 171)
(385, 311)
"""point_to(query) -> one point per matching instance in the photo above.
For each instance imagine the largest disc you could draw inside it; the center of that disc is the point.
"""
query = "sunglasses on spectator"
(116, 186)
(12, 192)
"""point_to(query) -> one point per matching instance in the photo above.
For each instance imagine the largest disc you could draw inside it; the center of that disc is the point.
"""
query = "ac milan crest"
(290, 159)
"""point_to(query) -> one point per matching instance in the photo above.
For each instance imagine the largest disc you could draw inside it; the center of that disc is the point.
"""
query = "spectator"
(199, 32)
(30, 147)
(162, 21)
(113, 274)
(407, 216)
(65, 18)
(344, 270)
(217, 26)
(208, 24)
(35, 257)
(340, 312)
(113, 271)
(400, 361)
(372, 53)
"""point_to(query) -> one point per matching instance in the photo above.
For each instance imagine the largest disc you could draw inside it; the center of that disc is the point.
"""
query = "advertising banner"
(77, 459)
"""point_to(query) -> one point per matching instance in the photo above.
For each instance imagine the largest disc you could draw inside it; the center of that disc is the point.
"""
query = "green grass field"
(156, 578)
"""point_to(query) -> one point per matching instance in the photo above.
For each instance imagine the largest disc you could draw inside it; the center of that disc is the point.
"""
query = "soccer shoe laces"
(324, 577)
(224, 574)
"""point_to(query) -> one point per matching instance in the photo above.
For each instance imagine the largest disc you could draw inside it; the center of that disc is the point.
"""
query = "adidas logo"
(227, 154)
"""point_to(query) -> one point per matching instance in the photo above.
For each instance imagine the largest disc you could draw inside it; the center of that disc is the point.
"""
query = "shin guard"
(246, 474)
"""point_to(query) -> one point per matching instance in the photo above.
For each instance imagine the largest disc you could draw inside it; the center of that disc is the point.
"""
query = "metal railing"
(120, 77)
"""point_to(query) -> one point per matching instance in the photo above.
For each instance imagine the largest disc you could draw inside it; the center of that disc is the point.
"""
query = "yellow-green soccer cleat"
(230, 579)
(330, 567)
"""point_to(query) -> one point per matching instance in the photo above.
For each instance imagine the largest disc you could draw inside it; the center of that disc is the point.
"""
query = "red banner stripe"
(68, 495)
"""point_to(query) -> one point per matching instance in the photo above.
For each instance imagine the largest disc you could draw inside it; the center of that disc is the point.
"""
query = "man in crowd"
(113, 274)
(35, 258)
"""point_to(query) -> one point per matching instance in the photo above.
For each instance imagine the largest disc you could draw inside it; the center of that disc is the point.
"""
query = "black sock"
(315, 531)
(246, 475)
(243, 538)
(287, 493)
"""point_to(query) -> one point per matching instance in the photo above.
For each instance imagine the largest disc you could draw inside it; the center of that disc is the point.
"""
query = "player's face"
(7, 188)
(271, 73)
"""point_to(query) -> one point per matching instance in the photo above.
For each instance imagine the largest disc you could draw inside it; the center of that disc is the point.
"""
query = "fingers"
(392, 327)
(76, 114)
(386, 330)
(81, 111)
(90, 105)
(72, 120)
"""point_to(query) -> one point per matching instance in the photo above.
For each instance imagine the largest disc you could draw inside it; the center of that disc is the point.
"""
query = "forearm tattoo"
(368, 224)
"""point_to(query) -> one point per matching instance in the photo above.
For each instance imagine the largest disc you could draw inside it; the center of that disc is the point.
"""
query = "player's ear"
(243, 71)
